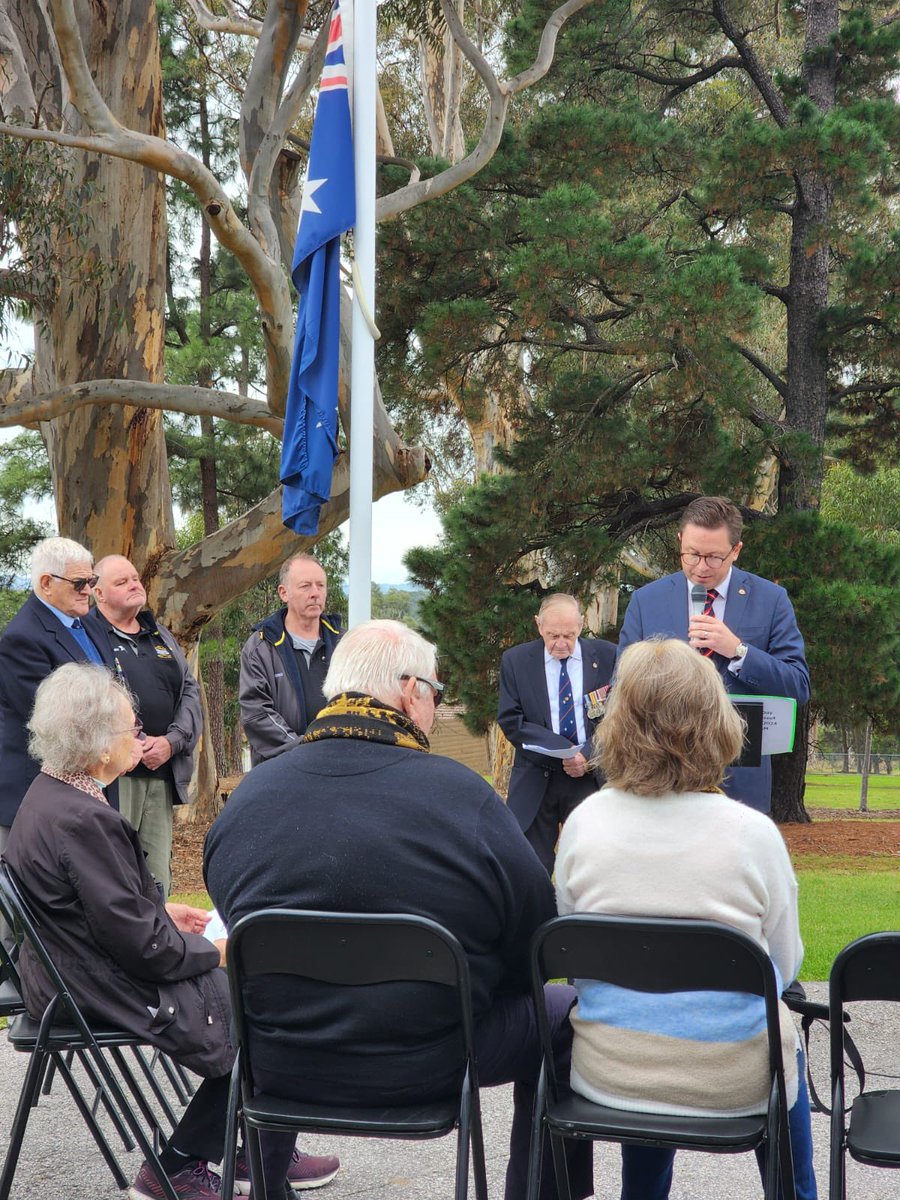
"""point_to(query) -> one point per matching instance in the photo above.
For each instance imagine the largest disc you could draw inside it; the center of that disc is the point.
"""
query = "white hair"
(77, 714)
(372, 657)
(52, 556)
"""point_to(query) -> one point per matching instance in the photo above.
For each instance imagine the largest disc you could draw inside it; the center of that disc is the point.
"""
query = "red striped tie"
(711, 597)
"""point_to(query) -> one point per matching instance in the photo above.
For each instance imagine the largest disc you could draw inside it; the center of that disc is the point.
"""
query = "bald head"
(559, 623)
(119, 593)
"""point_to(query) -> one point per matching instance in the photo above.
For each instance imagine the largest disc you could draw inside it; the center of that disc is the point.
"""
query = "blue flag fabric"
(309, 447)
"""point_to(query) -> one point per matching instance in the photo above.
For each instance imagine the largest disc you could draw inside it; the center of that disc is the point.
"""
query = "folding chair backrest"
(24, 920)
(867, 969)
(658, 954)
(347, 949)
(654, 955)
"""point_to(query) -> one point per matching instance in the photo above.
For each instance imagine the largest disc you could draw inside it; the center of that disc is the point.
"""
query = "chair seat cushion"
(573, 1114)
(409, 1121)
(874, 1131)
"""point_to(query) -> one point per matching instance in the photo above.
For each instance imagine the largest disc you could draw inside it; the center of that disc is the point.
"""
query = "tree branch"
(765, 85)
(764, 369)
(199, 581)
(196, 401)
(266, 277)
(499, 94)
(206, 19)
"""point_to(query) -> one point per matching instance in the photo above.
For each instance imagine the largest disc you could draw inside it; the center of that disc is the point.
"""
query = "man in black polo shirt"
(150, 661)
(285, 660)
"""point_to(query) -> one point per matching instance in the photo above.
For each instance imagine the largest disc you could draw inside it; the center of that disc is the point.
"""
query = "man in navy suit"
(549, 698)
(749, 629)
(45, 633)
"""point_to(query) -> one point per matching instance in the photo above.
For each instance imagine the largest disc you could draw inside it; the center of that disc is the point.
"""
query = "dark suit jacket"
(524, 716)
(760, 614)
(33, 644)
(82, 870)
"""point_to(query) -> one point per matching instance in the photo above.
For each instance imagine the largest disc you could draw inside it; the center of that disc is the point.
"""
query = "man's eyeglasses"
(437, 688)
(78, 584)
(712, 560)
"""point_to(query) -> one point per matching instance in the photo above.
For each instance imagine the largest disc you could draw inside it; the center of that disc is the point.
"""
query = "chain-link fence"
(838, 763)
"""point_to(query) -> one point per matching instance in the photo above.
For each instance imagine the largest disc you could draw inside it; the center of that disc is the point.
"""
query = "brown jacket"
(81, 868)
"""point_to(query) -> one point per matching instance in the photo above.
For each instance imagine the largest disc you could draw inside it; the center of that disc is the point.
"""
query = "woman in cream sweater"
(662, 840)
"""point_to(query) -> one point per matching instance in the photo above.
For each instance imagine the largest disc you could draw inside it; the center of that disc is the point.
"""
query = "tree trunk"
(866, 766)
(109, 463)
(806, 400)
(845, 745)
(789, 776)
(501, 753)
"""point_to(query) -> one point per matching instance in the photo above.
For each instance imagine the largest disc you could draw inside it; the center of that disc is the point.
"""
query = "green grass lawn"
(841, 898)
(842, 791)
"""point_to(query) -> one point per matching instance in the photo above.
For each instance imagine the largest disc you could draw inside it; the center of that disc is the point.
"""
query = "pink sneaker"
(305, 1171)
(193, 1182)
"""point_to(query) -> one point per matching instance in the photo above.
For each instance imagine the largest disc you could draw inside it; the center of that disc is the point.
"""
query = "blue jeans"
(647, 1172)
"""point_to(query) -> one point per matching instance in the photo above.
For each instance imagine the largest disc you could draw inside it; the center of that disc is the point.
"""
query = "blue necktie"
(568, 727)
(80, 634)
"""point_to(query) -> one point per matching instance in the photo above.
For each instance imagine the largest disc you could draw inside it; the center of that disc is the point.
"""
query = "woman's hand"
(187, 919)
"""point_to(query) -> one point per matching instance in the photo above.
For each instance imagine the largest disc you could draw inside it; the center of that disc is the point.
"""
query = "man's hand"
(711, 633)
(155, 751)
(576, 766)
(221, 944)
(187, 919)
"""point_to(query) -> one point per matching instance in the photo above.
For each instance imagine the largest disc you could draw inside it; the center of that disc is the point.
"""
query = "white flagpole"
(362, 373)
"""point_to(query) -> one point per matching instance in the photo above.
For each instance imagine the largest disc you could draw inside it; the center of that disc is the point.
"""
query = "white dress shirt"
(552, 670)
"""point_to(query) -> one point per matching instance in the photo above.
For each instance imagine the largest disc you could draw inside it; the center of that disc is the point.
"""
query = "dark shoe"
(193, 1182)
(305, 1171)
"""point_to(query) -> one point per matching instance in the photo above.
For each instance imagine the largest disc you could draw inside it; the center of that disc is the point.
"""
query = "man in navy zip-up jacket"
(285, 660)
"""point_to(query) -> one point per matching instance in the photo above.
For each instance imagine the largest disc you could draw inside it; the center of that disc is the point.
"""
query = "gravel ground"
(59, 1160)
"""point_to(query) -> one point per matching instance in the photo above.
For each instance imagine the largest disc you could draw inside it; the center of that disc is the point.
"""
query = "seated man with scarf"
(360, 817)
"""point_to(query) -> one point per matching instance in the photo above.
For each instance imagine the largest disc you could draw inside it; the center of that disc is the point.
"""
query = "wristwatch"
(740, 650)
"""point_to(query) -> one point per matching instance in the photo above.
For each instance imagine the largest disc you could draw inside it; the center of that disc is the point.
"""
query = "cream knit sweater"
(699, 855)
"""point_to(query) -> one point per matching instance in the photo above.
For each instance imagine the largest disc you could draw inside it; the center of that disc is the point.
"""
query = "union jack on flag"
(328, 209)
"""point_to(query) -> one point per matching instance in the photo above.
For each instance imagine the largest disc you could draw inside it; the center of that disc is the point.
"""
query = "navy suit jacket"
(759, 613)
(34, 643)
(524, 716)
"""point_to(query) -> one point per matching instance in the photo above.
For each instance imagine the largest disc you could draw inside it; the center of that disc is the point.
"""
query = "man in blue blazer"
(748, 626)
(45, 633)
(549, 698)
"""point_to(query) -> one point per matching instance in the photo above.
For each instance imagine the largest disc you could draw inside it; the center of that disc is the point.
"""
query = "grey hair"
(51, 556)
(77, 714)
(560, 598)
(372, 657)
(301, 556)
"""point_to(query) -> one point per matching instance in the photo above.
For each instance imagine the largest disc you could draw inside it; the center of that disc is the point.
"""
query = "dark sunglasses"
(78, 584)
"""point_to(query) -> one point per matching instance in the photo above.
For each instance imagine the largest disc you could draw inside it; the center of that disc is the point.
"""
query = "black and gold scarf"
(354, 715)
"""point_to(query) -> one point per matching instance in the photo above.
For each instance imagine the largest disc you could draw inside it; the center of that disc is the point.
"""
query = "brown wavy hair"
(669, 725)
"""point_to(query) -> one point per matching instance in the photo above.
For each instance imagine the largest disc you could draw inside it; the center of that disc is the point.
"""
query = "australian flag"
(328, 210)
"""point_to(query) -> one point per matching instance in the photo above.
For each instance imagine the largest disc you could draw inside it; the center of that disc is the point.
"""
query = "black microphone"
(698, 600)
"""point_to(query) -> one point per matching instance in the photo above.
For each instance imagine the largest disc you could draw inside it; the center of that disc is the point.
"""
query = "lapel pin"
(742, 591)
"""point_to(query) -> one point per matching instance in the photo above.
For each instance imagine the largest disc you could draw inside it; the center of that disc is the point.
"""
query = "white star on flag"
(311, 186)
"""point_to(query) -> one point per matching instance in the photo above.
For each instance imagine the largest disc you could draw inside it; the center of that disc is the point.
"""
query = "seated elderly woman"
(129, 959)
(662, 840)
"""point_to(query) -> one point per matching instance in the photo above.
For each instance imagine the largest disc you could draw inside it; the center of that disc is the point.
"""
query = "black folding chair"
(867, 969)
(61, 1033)
(656, 955)
(349, 950)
